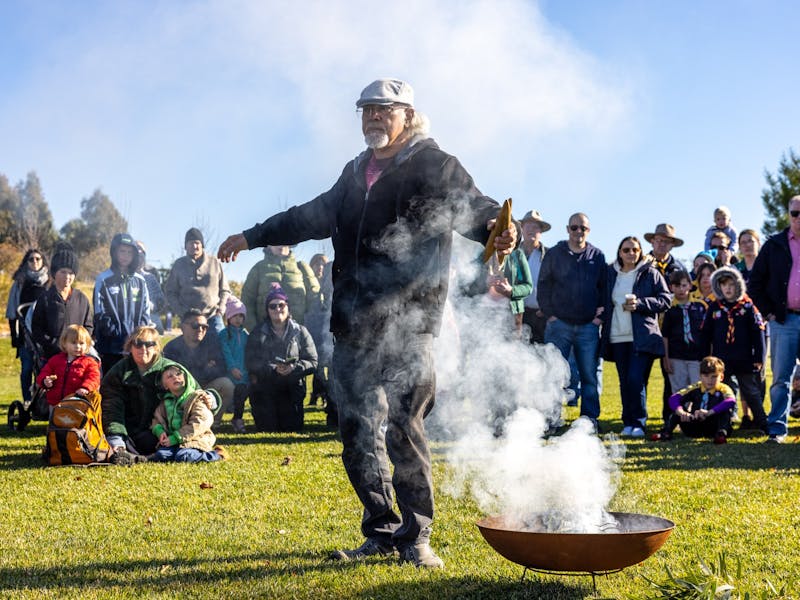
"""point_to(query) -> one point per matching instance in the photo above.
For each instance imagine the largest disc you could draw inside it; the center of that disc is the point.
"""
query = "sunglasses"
(197, 326)
(144, 344)
(795, 213)
(629, 250)
(576, 227)
(277, 306)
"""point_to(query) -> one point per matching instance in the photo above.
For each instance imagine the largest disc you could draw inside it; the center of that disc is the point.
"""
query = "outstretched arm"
(230, 248)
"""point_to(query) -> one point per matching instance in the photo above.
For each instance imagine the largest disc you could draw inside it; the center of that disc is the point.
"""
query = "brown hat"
(533, 215)
(666, 230)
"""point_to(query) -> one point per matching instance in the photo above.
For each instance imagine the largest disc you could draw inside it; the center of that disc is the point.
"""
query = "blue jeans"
(785, 349)
(187, 455)
(583, 340)
(216, 324)
(25, 372)
(632, 368)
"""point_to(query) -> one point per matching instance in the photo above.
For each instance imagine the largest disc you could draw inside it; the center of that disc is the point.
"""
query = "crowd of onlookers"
(163, 404)
(707, 325)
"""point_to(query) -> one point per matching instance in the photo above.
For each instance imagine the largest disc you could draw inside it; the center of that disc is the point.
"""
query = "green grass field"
(263, 528)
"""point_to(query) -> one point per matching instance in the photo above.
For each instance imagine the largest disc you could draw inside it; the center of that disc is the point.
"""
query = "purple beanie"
(276, 293)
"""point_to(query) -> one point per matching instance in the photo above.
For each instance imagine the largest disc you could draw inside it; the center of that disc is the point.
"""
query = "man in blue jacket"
(391, 216)
(572, 294)
(775, 288)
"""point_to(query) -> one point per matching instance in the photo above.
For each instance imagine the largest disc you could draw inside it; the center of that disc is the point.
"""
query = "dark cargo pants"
(383, 391)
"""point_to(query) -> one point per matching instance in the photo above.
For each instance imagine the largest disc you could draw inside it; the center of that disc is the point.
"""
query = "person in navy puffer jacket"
(121, 300)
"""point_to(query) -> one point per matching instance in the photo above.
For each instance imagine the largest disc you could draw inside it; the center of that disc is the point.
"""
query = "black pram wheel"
(18, 417)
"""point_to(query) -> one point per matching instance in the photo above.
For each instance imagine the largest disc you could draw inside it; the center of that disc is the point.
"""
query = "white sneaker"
(627, 431)
(637, 432)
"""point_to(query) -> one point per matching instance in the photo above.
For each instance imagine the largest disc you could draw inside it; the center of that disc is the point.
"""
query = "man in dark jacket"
(390, 215)
(572, 295)
(775, 288)
(201, 354)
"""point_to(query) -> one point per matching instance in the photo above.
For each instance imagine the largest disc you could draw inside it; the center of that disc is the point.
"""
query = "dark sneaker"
(238, 426)
(123, 458)
(775, 439)
(421, 556)
(747, 423)
(370, 547)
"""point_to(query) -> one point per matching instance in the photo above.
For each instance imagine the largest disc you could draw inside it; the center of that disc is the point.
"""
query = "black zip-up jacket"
(52, 315)
(392, 244)
(769, 280)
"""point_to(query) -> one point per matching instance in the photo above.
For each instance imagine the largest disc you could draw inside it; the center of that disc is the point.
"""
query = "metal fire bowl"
(639, 537)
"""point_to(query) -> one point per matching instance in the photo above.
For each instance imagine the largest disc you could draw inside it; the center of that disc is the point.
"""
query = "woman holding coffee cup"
(631, 337)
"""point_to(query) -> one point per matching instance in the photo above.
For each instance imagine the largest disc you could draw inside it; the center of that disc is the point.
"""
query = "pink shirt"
(375, 167)
(793, 289)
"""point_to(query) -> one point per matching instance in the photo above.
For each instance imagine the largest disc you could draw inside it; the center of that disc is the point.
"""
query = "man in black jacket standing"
(572, 295)
(775, 288)
(390, 215)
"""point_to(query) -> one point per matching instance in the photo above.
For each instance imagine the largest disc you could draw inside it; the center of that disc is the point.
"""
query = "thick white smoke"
(497, 398)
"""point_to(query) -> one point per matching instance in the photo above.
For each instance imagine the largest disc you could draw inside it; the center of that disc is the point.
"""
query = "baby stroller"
(21, 412)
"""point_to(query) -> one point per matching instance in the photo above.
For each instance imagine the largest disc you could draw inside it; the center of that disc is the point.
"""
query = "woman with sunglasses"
(632, 338)
(278, 356)
(29, 282)
(130, 397)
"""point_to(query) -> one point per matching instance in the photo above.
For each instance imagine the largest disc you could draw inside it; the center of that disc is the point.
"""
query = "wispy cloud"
(190, 105)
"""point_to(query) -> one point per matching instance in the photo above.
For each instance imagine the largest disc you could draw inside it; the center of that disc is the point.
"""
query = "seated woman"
(130, 397)
(278, 356)
(182, 422)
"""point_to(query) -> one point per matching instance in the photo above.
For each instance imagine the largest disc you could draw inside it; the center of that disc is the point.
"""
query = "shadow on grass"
(251, 570)
(474, 587)
(745, 453)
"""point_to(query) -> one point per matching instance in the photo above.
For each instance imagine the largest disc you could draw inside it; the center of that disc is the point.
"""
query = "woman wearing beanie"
(61, 305)
(279, 354)
(29, 282)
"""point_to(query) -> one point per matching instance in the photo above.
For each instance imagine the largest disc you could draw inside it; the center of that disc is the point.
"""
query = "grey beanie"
(192, 235)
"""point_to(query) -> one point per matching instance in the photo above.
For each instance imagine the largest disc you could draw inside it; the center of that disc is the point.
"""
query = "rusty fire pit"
(637, 538)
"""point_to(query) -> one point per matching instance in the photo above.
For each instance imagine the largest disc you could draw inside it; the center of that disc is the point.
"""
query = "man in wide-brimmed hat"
(664, 240)
(533, 226)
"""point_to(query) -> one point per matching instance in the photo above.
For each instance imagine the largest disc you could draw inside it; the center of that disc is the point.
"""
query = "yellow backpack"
(75, 432)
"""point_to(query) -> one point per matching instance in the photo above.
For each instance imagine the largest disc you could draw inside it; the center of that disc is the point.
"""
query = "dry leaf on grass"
(286, 461)
(206, 486)
(149, 521)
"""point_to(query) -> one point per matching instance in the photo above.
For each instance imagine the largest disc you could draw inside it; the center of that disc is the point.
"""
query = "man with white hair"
(391, 216)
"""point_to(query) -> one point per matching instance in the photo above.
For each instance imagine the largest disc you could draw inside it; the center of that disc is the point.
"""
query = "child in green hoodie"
(182, 422)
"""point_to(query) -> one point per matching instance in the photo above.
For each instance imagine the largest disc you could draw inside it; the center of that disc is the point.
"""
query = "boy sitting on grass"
(703, 409)
(182, 422)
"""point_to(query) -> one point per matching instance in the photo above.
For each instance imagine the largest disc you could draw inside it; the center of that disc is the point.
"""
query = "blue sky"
(219, 114)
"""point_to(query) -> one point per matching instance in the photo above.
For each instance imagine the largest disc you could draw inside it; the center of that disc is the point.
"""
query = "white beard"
(376, 139)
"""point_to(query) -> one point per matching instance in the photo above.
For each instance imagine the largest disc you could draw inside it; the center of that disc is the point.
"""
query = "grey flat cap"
(387, 91)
